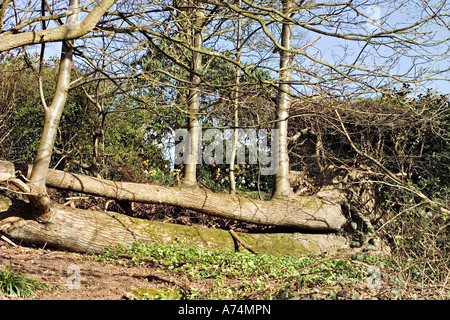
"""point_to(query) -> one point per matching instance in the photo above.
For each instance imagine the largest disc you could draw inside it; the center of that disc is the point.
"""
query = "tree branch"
(389, 173)
(11, 41)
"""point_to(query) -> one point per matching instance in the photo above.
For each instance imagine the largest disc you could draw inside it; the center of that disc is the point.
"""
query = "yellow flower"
(226, 178)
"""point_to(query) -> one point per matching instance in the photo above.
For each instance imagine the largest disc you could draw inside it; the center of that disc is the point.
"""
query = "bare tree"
(301, 72)
(282, 186)
(236, 97)
(19, 36)
(193, 18)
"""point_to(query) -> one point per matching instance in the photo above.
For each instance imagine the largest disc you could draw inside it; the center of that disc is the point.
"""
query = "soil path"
(59, 269)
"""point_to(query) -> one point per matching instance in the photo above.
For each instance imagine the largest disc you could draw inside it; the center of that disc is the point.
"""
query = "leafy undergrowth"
(192, 273)
(19, 285)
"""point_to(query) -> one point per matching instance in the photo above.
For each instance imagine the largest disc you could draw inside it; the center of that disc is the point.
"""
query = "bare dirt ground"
(59, 269)
(99, 281)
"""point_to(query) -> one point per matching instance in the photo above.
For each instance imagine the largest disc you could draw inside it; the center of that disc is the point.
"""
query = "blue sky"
(386, 15)
(400, 60)
(417, 60)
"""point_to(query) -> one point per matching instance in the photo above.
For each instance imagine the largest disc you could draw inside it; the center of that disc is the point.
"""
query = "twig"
(153, 277)
(241, 242)
(388, 172)
(297, 272)
(77, 198)
(4, 238)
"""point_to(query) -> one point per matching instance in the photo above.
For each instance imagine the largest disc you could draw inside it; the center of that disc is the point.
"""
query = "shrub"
(17, 284)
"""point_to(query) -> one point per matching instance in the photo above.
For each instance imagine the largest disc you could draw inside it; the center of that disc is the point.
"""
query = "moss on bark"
(94, 231)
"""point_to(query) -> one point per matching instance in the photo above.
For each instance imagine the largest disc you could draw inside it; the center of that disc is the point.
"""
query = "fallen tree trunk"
(93, 231)
(302, 212)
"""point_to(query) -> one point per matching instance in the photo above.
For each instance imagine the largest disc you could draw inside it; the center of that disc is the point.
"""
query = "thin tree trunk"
(195, 33)
(52, 117)
(237, 80)
(282, 187)
(301, 212)
(53, 114)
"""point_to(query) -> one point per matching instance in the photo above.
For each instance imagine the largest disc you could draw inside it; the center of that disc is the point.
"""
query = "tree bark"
(52, 117)
(11, 40)
(237, 81)
(282, 187)
(36, 184)
(92, 232)
(195, 36)
(301, 212)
